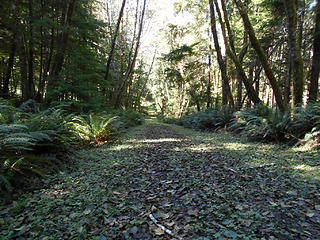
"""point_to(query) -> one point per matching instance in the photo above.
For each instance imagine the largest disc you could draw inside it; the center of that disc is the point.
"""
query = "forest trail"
(166, 182)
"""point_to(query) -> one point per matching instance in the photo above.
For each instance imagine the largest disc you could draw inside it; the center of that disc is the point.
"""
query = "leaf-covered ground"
(166, 182)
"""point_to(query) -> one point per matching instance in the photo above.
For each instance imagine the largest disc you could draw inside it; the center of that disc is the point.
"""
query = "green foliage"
(306, 124)
(208, 120)
(130, 118)
(170, 120)
(94, 128)
(25, 135)
(17, 142)
(32, 141)
(262, 124)
(306, 119)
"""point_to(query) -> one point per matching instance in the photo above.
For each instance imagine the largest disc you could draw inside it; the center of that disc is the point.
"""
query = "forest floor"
(167, 182)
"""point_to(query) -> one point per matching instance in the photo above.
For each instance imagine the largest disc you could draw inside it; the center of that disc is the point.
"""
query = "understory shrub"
(262, 124)
(211, 119)
(94, 128)
(306, 124)
(171, 120)
(128, 118)
(34, 142)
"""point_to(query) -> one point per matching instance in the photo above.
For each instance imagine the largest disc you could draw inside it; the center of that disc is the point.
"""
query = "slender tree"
(5, 87)
(315, 69)
(59, 58)
(295, 52)
(261, 55)
(133, 61)
(223, 68)
(21, 49)
(31, 48)
(252, 94)
(113, 43)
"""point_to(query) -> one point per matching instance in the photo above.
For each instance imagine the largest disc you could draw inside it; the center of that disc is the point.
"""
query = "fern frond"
(10, 128)
(5, 183)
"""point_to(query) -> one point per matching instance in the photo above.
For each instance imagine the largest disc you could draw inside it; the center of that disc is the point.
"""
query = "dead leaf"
(192, 212)
(292, 193)
(158, 231)
(310, 214)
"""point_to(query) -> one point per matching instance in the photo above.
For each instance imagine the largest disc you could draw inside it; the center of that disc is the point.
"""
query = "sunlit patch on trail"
(161, 140)
(200, 148)
(236, 146)
(122, 147)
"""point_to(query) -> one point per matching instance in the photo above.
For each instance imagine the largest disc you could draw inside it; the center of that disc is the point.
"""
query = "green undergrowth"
(34, 143)
(301, 126)
(72, 200)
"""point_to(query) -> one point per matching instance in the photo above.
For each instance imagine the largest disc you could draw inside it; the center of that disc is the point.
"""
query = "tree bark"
(60, 55)
(113, 43)
(253, 96)
(315, 69)
(147, 78)
(39, 94)
(31, 48)
(21, 49)
(221, 60)
(295, 52)
(132, 64)
(287, 83)
(261, 55)
(209, 77)
(5, 89)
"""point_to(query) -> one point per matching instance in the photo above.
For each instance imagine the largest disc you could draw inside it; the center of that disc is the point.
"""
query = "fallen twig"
(155, 221)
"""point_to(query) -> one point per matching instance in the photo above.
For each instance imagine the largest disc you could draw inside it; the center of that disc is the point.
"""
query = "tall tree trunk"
(221, 60)
(261, 55)
(113, 43)
(287, 83)
(147, 78)
(253, 96)
(5, 89)
(295, 51)
(67, 14)
(209, 77)
(41, 78)
(315, 69)
(132, 64)
(31, 48)
(21, 48)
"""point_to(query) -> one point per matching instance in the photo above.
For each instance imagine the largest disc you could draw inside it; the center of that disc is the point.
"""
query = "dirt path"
(194, 186)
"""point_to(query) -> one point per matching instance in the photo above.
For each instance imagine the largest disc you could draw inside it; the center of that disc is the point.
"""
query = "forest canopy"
(177, 56)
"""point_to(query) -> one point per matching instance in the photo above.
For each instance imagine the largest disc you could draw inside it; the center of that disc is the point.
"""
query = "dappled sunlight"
(200, 148)
(236, 146)
(307, 171)
(160, 140)
(305, 167)
(121, 147)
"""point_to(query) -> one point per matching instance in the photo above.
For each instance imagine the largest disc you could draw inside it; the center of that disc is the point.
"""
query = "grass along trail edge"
(195, 185)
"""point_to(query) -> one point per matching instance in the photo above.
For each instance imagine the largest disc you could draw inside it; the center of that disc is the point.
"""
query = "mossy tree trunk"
(295, 52)
(63, 38)
(261, 55)
(132, 62)
(5, 87)
(21, 49)
(226, 91)
(113, 43)
(231, 51)
(315, 69)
